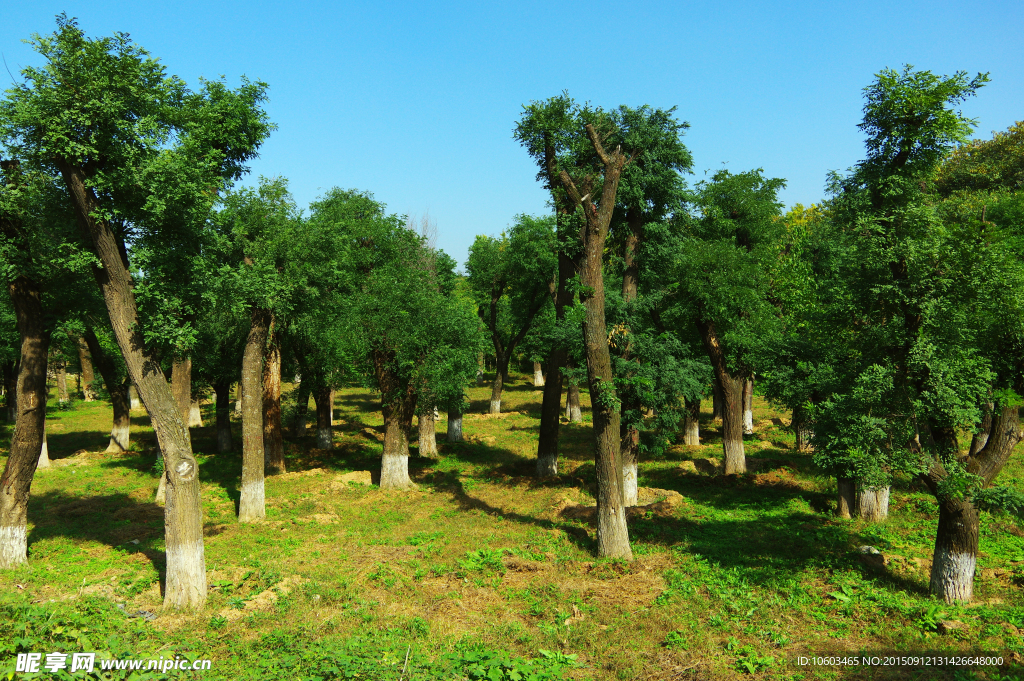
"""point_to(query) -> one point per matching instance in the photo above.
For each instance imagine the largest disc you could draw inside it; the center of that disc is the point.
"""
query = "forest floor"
(486, 572)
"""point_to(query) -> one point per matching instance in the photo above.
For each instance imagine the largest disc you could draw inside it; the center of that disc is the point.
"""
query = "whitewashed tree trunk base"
(195, 415)
(394, 473)
(13, 546)
(454, 427)
(324, 438)
(953, 575)
(691, 436)
(44, 455)
(120, 437)
(186, 576)
(629, 484)
(748, 422)
(873, 504)
(735, 457)
(495, 406)
(252, 505)
(547, 467)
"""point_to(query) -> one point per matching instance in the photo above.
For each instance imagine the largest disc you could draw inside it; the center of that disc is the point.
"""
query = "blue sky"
(416, 101)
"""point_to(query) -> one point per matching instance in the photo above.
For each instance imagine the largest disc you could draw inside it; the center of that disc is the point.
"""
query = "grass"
(479, 573)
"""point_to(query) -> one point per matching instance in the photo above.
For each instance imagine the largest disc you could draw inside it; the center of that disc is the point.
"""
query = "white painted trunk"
(454, 427)
(538, 375)
(13, 546)
(873, 504)
(186, 583)
(495, 406)
(547, 466)
(735, 458)
(748, 421)
(394, 472)
(44, 453)
(332, 409)
(238, 406)
(428, 435)
(195, 415)
(161, 490)
(324, 438)
(691, 433)
(252, 504)
(133, 396)
(629, 490)
(120, 437)
(953, 575)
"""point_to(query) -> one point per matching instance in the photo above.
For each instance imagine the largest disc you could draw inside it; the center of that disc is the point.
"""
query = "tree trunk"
(251, 506)
(873, 503)
(44, 452)
(27, 441)
(731, 390)
(748, 406)
(500, 374)
(223, 392)
(301, 410)
(397, 404)
(11, 390)
(846, 497)
(716, 402)
(980, 438)
(181, 385)
(480, 369)
(330, 408)
(455, 420)
(538, 375)
(572, 404)
(238, 399)
(547, 442)
(691, 424)
(88, 375)
(121, 429)
(133, 398)
(324, 434)
(273, 439)
(956, 551)
(62, 383)
(195, 415)
(631, 406)
(428, 434)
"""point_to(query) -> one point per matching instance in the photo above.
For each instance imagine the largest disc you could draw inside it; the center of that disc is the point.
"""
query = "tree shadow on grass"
(116, 520)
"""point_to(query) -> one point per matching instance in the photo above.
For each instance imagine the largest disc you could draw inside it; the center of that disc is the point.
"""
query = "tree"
(723, 268)
(510, 279)
(933, 329)
(102, 113)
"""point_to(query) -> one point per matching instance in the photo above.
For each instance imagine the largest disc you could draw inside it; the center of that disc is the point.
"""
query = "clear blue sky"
(416, 101)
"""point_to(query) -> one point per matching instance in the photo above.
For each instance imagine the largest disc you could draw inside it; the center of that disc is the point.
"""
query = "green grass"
(478, 574)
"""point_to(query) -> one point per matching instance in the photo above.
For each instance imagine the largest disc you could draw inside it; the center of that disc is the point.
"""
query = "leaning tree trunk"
(183, 516)
(324, 406)
(573, 412)
(85, 361)
(691, 424)
(301, 410)
(273, 439)
(222, 389)
(455, 420)
(980, 438)
(29, 430)
(547, 442)
(538, 375)
(428, 434)
(251, 506)
(748, 406)
(11, 390)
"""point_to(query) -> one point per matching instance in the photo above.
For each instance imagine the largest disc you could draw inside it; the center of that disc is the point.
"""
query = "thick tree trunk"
(428, 434)
(956, 551)
(748, 406)
(454, 433)
(324, 406)
(547, 442)
(11, 390)
(301, 410)
(29, 430)
(223, 391)
(88, 375)
(691, 424)
(846, 497)
(573, 411)
(62, 383)
(538, 375)
(873, 503)
(181, 385)
(251, 506)
(397, 405)
(273, 439)
(731, 390)
(500, 376)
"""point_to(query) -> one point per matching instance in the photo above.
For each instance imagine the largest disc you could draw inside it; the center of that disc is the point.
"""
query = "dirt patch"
(301, 474)
(359, 477)
(262, 600)
(667, 503)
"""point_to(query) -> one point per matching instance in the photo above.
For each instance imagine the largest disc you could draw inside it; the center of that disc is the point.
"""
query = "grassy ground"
(485, 572)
